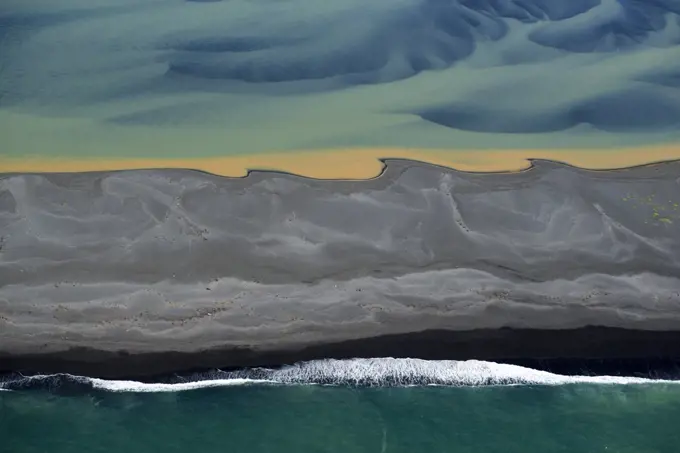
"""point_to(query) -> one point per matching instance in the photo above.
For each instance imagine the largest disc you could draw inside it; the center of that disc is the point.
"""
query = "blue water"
(230, 414)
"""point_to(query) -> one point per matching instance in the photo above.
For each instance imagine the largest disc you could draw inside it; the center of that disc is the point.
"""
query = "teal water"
(575, 418)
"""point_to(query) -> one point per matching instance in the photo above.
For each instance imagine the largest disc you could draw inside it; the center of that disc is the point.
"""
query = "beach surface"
(150, 271)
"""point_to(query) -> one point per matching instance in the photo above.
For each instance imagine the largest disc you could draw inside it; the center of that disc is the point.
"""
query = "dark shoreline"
(591, 350)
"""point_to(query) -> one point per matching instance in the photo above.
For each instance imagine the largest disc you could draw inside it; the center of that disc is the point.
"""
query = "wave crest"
(380, 372)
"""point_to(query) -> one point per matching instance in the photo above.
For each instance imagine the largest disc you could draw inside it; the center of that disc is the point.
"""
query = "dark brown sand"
(139, 272)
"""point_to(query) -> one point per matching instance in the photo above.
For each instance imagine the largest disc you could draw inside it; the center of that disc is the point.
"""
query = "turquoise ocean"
(360, 405)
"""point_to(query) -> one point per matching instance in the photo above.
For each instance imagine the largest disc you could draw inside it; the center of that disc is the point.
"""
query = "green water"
(296, 419)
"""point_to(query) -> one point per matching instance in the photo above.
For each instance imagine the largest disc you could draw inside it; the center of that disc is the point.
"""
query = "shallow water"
(303, 418)
(65, 414)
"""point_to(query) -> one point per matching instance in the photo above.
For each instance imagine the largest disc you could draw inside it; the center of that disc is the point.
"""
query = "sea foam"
(380, 372)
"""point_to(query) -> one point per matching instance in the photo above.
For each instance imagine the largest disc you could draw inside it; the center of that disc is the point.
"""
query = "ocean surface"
(368, 405)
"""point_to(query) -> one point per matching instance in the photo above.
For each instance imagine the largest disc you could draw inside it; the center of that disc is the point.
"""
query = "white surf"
(369, 372)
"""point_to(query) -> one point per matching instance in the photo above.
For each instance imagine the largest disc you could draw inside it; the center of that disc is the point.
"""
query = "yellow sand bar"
(356, 163)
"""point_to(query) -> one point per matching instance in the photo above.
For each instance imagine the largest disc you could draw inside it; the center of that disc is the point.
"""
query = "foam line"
(382, 372)
(134, 386)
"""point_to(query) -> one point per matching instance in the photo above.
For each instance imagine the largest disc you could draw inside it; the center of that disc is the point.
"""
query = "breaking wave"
(382, 372)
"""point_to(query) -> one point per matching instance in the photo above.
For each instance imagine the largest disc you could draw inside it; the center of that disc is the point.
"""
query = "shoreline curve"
(358, 163)
(557, 350)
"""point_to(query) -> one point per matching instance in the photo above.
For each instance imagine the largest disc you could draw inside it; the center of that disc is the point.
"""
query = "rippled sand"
(155, 261)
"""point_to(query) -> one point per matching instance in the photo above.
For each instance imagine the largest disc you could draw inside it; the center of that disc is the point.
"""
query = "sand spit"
(358, 163)
(101, 272)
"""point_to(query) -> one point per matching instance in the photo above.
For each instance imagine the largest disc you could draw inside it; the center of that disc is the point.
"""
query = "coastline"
(358, 163)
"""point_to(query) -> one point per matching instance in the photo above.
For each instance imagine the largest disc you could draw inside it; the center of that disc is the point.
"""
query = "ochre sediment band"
(357, 163)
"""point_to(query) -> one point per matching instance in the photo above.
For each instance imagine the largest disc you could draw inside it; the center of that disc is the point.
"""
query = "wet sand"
(102, 272)
(566, 351)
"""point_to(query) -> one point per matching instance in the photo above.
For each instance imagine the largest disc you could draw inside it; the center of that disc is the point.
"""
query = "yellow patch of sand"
(355, 163)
